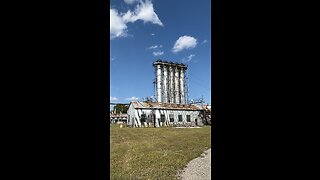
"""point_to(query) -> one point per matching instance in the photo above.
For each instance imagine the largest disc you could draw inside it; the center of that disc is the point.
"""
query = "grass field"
(154, 153)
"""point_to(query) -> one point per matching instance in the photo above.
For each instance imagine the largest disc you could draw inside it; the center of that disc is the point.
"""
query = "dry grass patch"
(154, 153)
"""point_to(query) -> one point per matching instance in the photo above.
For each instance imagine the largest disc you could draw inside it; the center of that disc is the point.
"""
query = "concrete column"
(165, 84)
(171, 87)
(177, 84)
(182, 95)
(159, 88)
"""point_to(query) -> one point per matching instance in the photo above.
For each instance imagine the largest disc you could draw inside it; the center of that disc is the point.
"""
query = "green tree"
(120, 108)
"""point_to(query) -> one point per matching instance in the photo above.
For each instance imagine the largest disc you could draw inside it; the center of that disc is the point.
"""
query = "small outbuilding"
(118, 118)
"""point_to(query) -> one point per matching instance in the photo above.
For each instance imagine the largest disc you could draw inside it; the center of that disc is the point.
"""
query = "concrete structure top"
(169, 63)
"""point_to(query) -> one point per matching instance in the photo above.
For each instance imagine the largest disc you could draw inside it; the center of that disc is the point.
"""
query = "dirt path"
(198, 168)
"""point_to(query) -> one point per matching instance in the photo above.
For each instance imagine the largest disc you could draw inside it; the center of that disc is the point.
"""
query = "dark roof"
(118, 115)
(156, 105)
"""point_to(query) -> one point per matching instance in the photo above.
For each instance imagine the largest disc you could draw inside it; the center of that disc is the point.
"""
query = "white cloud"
(188, 59)
(158, 53)
(155, 47)
(117, 25)
(204, 41)
(132, 98)
(113, 98)
(130, 1)
(152, 34)
(184, 42)
(144, 11)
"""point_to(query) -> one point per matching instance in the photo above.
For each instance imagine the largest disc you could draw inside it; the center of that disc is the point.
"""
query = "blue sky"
(142, 31)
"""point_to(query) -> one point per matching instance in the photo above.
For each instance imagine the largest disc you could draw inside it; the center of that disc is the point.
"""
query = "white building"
(118, 118)
(155, 114)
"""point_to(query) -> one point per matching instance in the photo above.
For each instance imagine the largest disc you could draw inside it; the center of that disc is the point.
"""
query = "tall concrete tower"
(159, 84)
(170, 82)
(182, 93)
(165, 84)
(171, 87)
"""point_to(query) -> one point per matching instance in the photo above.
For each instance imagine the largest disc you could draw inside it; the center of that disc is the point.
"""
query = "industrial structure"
(170, 82)
(171, 107)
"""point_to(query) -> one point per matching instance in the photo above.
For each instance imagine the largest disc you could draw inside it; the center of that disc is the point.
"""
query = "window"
(171, 117)
(188, 118)
(143, 118)
(162, 118)
(180, 118)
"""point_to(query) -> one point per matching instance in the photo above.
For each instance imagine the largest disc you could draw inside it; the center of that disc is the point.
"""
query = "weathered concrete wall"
(131, 115)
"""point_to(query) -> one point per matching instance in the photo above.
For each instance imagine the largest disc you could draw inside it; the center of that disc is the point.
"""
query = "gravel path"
(198, 168)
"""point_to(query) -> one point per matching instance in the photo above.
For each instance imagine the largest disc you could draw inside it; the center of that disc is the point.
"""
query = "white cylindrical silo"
(177, 84)
(182, 96)
(171, 87)
(159, 83)
(165, 84)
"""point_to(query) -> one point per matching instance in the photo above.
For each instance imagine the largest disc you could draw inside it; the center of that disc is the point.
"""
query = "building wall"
(134, 117)
(131, 115)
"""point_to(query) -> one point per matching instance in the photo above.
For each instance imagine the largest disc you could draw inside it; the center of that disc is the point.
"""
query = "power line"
(198, 81)
(196, 77)
(206, 87)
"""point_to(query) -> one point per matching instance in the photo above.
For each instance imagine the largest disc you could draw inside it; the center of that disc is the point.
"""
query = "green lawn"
(154, 153)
